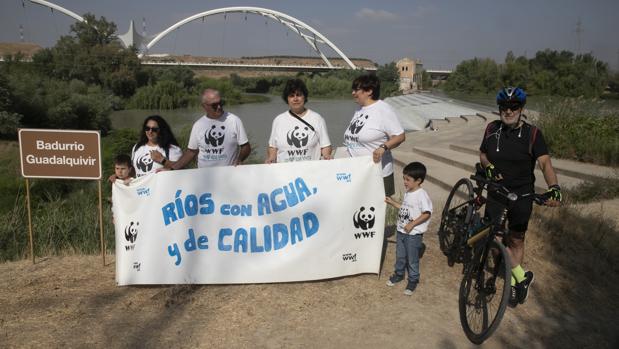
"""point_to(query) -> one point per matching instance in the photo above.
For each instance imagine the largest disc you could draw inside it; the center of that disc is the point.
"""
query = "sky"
(440, 33)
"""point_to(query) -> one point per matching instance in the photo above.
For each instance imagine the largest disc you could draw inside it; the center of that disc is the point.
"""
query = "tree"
(93, 32)
(389, 79)
(94, 55)
(515, 71)
(9, 120)
(474, 76)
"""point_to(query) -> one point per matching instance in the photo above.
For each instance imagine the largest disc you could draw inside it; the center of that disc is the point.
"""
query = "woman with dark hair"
(374, 129)
(157, 145)
(299, 134)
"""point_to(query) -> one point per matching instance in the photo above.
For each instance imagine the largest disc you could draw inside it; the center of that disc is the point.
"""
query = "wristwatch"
(384, 147)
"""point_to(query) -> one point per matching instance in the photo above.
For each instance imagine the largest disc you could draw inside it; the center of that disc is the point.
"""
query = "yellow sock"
(513, 283)
(518, 273)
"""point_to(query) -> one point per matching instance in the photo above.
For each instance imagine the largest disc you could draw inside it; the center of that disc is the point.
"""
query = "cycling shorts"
(518, 212)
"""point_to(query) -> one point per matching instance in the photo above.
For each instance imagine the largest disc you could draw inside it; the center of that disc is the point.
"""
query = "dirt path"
(72, 301)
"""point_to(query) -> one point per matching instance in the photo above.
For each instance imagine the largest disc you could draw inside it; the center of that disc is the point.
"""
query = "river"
(257, 118)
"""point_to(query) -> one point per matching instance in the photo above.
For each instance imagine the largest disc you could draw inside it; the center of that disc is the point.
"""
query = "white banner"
(250, 224)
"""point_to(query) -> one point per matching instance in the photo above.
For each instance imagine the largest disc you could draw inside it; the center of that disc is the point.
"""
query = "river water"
(257, 118)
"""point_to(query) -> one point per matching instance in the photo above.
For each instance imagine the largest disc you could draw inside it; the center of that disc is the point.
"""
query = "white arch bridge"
(314, 39)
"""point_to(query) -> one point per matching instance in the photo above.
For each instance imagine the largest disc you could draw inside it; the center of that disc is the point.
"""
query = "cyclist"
(508, 153)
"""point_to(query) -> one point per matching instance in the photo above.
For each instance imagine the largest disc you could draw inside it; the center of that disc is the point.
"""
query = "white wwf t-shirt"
(370, 127)
(217, 140)
(295, 141)
(414, 204)
(143, 163)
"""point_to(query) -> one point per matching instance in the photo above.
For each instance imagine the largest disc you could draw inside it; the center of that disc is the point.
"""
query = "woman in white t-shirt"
(374, 129)
(156, 145)
(298, 134)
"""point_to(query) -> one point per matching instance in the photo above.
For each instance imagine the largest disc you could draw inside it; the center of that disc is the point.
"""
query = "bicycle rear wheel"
(484, 292)
(456, 216)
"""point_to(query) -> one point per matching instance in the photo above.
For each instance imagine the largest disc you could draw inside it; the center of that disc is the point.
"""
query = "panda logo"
(131, 232)
(403, 214)
(298, 136)
(357, 124)
(145, 163)
(215, 136)
(363, 218)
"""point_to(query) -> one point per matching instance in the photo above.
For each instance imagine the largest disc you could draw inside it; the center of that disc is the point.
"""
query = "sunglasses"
(512, 107)
(154, 129)
(216, 105)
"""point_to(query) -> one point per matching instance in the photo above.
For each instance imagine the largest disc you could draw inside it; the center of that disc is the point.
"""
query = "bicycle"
(465, 237)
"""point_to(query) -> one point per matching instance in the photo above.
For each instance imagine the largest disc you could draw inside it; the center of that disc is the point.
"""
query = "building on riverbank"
(410, 71)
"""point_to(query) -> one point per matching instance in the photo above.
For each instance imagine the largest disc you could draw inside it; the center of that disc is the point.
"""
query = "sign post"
(69, 154)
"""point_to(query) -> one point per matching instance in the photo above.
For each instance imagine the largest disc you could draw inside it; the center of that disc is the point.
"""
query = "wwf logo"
(131, 232)
(344, 177)
(357, 124)
(364, 219)
(298, 136)
(215, 136)
(145, 163)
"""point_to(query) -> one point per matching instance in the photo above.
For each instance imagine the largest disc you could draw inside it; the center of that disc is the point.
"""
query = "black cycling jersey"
(512, 153)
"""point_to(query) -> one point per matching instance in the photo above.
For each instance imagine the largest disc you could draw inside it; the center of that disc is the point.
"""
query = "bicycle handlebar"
(500, 189)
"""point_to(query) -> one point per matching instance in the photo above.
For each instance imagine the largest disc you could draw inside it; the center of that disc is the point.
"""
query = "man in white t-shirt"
(218, 138)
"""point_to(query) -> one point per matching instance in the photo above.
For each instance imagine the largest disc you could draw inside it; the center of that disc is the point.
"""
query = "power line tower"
(578, 32)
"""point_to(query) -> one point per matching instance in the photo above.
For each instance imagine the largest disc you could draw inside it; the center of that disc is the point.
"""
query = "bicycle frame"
(477, 243)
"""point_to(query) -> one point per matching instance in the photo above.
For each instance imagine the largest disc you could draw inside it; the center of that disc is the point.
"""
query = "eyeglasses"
(511, 106)
(154, 129)
(215, 105)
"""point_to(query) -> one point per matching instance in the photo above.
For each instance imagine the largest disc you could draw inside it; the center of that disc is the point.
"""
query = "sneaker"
(523, 287)
(410, 287)
(394, 279)
(513, 297)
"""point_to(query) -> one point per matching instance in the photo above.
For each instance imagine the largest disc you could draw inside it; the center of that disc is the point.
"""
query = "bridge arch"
(295, 25)
(58, 8)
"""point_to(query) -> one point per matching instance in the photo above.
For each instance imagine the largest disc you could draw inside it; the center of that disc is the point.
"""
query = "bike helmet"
(511, 95)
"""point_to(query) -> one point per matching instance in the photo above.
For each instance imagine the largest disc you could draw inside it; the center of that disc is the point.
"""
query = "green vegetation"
(548, 73)
(333, 84)
(581, 129)
(77, 83)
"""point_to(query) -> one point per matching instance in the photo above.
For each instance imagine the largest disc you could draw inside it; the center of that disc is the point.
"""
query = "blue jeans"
(407, 255)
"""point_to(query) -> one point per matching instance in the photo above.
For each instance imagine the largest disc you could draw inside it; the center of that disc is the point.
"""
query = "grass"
(596, 190)
(581, 129)
(61, 222)
(590, 239)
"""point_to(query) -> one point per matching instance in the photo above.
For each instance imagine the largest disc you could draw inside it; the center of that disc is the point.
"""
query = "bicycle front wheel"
(484, 292)
(456, 216)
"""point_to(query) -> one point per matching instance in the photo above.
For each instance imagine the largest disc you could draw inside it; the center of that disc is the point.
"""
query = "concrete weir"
(449, 148)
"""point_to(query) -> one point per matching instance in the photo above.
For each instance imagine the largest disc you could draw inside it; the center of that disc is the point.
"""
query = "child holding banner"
(123, 170)
(413, 220)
